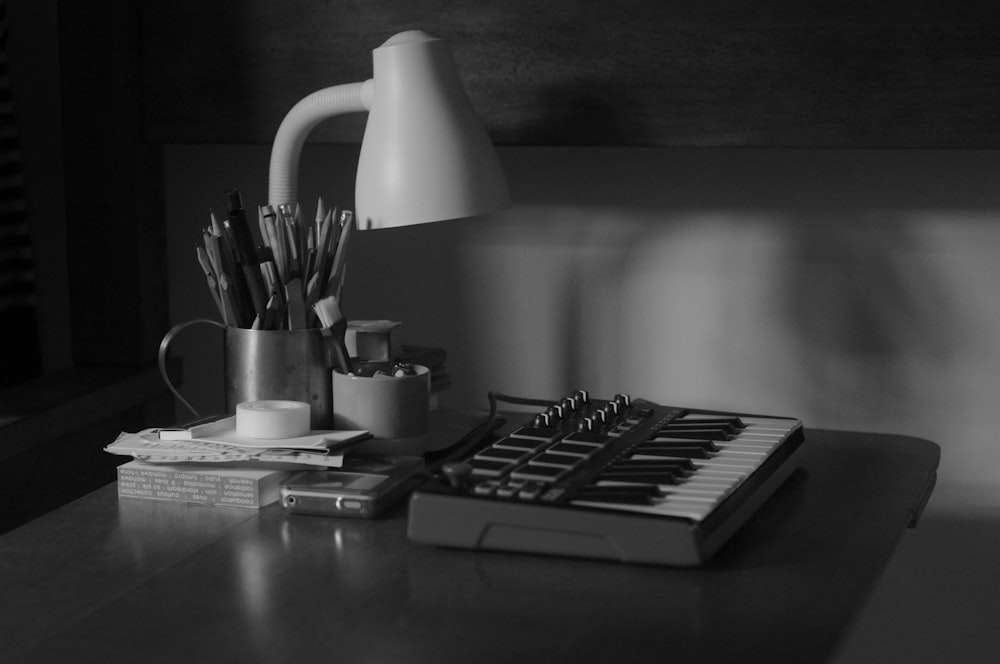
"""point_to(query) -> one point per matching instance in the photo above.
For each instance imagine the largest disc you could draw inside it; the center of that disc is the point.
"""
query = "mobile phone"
(362, 488)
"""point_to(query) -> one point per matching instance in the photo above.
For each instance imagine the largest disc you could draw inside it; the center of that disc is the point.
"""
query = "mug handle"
(164, 347)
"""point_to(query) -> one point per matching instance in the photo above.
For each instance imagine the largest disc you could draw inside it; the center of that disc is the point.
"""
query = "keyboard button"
(526, 444)
(487, 488)
(488, 467)
(530, 490)
(558, 460)
(587, 437)
(544, 434)
(508, 490)
(574, 449)
(505, 454)
(539, 473)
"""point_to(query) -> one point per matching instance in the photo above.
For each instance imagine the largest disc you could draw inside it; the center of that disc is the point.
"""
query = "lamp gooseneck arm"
(283, 172)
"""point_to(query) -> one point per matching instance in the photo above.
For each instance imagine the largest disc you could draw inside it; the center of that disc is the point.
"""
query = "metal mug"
(294, 365)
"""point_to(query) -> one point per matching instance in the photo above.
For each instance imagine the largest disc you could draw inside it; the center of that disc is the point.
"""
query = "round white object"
(272, 419)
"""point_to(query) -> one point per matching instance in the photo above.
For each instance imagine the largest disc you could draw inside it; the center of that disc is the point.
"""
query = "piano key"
(695, 495)
(635, 495)
(673, 503)
(695, 433)
(767, 425)
(680, 439)
(724, 464)
(640, 478)
(747, 445)
(687, 510)
(658, 462)
(759, 439)
(734, 420)
(703, 479)
(725, 427)
(672, 451)
(733, 474)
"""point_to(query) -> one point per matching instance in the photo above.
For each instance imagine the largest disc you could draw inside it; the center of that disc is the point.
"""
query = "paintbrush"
(335, 327)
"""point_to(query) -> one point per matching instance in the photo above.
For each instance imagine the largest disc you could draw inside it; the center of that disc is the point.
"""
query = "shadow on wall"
(869, 314)
(845, 319)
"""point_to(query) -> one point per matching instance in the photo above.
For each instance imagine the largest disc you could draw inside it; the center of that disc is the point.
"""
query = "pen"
(296, 308)
(239, 232)
(340, 260)
(210, 279)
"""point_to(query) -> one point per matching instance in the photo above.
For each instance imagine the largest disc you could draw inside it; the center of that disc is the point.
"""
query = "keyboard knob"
(458, 473)
(623, 400)
(542, 420)
(582, 396)
(568, 404)
(586, 424)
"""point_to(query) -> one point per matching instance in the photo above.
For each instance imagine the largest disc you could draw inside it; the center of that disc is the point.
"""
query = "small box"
(373, 340)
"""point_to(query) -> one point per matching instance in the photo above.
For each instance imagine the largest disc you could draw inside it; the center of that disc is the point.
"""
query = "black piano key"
(681, 465)
(680, 442)
(632, 495)
(674, 451)
(669, 468)
(710, 420)
(638, 477)
(696, 432)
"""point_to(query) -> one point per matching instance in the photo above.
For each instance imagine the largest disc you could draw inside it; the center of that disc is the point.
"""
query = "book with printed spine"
(250, 486)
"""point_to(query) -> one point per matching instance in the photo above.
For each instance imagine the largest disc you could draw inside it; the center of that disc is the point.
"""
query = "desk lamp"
(425, 155)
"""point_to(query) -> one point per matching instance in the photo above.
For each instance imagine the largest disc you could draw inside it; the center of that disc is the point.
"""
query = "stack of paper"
(218, 442)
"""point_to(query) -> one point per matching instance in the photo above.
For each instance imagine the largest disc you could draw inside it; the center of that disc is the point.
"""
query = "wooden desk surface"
(109, 580)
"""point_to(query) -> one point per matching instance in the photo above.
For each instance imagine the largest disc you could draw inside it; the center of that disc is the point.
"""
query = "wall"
(33, 55)
(852, 288)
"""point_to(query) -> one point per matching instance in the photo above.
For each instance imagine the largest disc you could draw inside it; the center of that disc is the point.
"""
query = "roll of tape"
(272, 419)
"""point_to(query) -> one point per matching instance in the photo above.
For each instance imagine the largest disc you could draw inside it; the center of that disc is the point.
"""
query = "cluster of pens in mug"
(293, 276)
(285, 334)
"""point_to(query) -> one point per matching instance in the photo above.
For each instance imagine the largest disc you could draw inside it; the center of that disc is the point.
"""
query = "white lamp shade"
(425, 156)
